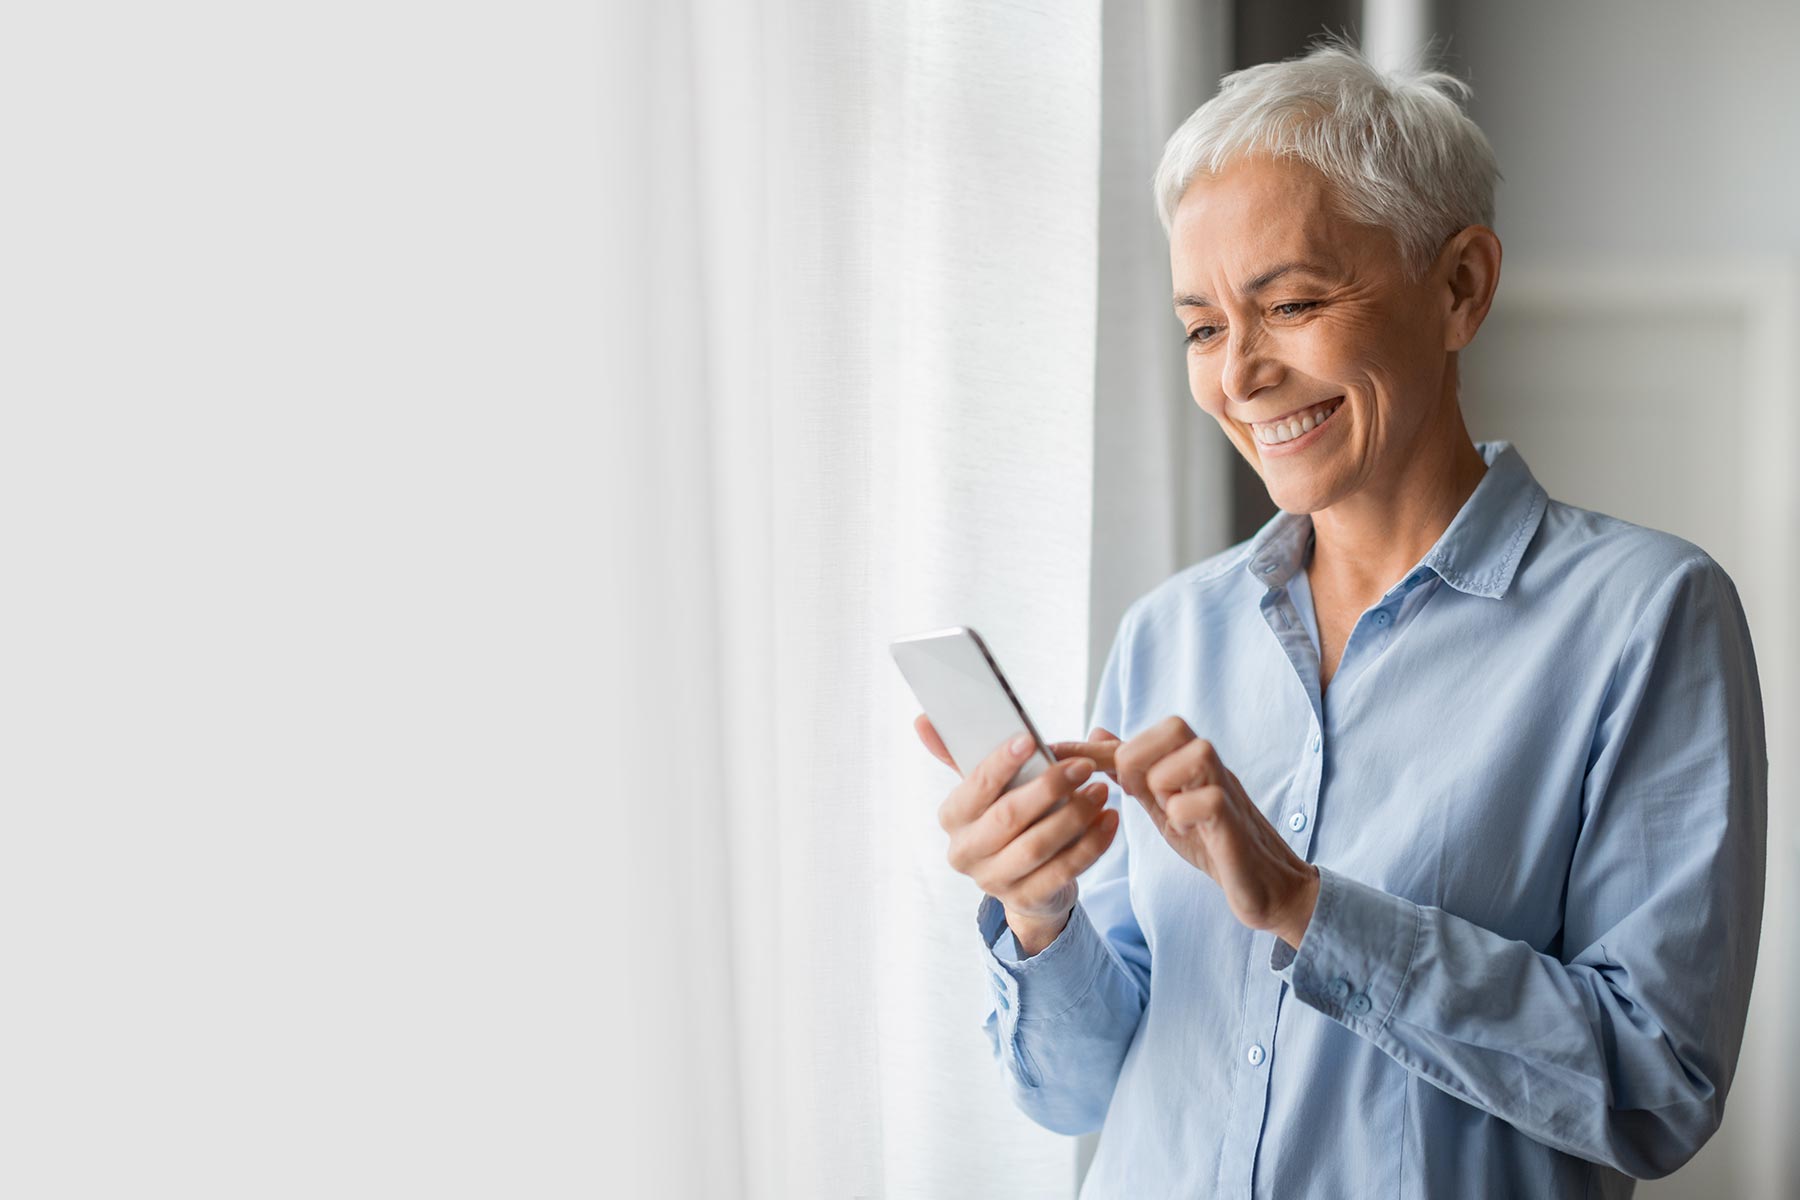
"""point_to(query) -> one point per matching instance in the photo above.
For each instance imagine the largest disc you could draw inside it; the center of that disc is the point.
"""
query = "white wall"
(1651, 154)
(1638, 126)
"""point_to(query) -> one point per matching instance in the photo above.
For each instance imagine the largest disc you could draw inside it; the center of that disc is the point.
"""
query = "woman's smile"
(1296, 431)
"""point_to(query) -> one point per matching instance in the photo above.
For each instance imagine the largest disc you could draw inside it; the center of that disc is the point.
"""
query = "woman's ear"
(1469, 264)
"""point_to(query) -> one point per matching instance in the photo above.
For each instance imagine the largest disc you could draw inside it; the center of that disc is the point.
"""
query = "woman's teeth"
(1274, 433)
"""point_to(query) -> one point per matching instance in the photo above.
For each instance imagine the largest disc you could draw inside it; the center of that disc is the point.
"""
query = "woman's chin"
(1296, 489)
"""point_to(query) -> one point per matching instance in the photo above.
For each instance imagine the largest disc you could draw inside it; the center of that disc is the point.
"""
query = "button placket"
(1252, 1079)
(1299, 817)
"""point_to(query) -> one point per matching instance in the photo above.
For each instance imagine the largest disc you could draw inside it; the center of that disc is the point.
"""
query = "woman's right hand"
(1011, 844)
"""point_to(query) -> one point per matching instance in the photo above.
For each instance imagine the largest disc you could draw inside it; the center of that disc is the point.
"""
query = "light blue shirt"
(1535, 790)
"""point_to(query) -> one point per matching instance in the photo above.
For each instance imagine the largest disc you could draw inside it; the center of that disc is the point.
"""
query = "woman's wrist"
(1034, 935)
(1293, 928)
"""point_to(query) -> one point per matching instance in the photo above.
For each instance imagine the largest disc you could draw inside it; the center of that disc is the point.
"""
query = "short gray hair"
(1397, 148)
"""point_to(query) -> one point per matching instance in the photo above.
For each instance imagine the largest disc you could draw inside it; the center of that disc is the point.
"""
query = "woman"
(1427, 860)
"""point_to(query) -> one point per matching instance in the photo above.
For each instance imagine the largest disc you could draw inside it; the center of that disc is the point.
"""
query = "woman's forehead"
(1233, 232)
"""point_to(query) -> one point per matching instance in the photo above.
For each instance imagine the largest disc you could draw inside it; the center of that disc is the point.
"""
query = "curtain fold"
(859, 308)
(1162, 469)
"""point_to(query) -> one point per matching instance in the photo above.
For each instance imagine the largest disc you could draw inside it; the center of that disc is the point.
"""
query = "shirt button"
(1339, 989)
(1359, 1004)
(1255, 1056)
(1297, 822)
(1382, 617)
(1315, 743)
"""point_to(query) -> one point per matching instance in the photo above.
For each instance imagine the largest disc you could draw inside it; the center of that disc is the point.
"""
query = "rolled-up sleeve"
(1060, 1021)
(1620, 1050)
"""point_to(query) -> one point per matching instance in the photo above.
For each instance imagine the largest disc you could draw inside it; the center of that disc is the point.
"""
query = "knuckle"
(993, 784)
(1162, 777)
(1205, 750)
(1130, 757)
(990, 777)
(995, 769)
(1175, 725)
(1201, 804)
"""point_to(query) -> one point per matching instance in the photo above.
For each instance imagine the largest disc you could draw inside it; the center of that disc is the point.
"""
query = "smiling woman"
(1346, 318)
(1439, 863)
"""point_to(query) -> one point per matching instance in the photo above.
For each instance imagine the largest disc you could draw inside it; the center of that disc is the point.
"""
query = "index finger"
(982, 786)
(1101, 752)
(1101, 746)
(1148, 748)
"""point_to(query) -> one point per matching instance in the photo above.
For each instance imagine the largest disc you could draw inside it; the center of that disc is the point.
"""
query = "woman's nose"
(1248, 367)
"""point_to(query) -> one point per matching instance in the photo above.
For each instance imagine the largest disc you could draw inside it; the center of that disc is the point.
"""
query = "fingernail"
(1080, 769)
(1021, 744)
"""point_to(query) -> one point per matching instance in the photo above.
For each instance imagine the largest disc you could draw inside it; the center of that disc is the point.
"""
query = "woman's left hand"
(1201, 810)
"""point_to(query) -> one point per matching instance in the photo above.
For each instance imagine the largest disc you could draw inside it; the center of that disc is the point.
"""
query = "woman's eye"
(1202, 334)
(1298, 307)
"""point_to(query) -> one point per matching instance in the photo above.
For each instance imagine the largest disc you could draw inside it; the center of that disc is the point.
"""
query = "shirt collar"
(1477, 554)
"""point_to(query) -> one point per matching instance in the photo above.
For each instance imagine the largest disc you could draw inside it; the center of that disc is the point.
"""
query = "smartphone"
(963, 691)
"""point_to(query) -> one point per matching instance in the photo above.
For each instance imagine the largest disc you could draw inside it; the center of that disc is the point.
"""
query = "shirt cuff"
(1356, 955)
(1053, 980)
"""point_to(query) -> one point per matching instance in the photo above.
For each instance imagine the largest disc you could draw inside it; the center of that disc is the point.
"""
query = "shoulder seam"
(1612, 681)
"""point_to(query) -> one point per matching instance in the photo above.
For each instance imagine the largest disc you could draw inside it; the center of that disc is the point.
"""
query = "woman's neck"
(1366, 542)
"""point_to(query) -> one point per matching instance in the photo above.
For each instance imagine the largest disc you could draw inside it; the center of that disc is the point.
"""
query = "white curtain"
(1162, 469)
(376, 826)
(859, 305)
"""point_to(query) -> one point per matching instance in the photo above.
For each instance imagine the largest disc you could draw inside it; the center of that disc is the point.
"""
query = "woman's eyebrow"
(1259, 283)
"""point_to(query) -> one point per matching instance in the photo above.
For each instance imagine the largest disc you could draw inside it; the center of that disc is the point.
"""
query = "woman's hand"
(1201, 810)
(1011, 844)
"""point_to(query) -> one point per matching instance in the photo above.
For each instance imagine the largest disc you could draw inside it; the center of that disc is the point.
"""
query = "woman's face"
(1290, 309)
